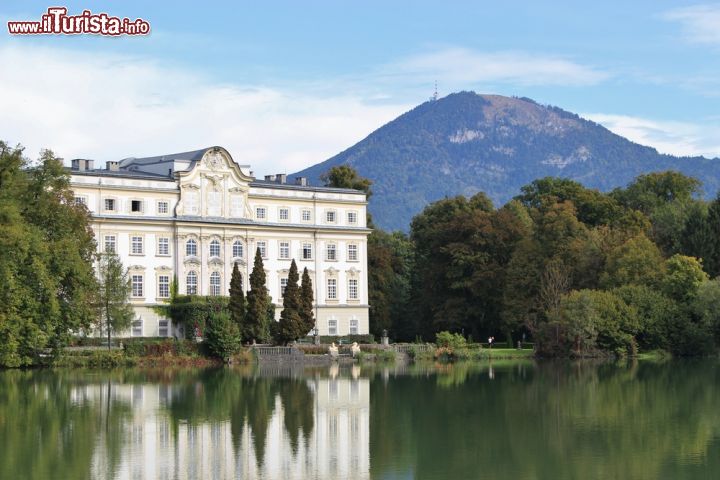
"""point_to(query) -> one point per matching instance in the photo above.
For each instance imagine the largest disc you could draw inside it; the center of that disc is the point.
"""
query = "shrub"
(222, 335)
(451, 341)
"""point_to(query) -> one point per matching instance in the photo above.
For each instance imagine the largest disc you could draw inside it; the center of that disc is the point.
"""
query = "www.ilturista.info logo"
(57, 22)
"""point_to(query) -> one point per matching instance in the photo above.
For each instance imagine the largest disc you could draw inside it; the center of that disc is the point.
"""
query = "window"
(215, 284)
(306, 215)
(330, 216)
(191, 283)
(332, 289)
(164, 287)
(137, 286)
(284, 250)
(262, 246)
(109, 204)
(236, 205)
(352, 252)
(260, 213)
(353, 289)
(214, 204)
(215, 248)
(284, 214)
(137, 329)
(352, 218)
(163, 246)
(191, 206)
(332, 327)
(353, 326)
(331, 252)
(110, 244)
(191, 248)
(163, 328)
(81, 201)
(307, 251)
(283, 286)
(162, 207)
(237, 249)
(136, 206)
(136, 245)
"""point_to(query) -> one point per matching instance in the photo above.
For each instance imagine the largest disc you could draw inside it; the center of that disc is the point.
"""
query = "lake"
(505, 420)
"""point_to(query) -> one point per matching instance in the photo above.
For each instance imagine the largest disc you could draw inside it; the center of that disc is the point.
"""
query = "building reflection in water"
(277, 424)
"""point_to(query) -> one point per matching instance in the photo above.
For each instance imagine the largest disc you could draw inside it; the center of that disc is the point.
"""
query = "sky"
(285, 85)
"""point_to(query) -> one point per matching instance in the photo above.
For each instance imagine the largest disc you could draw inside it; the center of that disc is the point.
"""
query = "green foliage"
(46, 269)
(344, 176)
(116, 313)
(222, 335)
(637, 261)
(237, 304)
(257, 326)
(389, 266)
(193, 311)
(453, 341)
(291, 325)
(651, 191)
(684, 277)
(589, 321)
(656, 315)
(307, 303)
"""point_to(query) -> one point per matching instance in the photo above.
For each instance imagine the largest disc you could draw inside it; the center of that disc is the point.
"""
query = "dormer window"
(136, 206)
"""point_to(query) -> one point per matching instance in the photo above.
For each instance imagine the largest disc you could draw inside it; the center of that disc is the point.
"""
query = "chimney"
(302, 181)
(269, 178)
(112, 166)
(281, 178)
(81, 164)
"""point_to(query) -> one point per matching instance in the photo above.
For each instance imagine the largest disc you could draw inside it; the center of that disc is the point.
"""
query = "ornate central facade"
(194, 215)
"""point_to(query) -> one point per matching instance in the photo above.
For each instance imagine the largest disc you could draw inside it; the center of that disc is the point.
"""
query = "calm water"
(505, 421)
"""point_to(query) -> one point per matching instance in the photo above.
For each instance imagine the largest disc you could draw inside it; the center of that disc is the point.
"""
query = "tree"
(648, 192)
(46, 270)
(116, 313)
(344, 176)
(222, 335)
(637, 261)
(683, 278)
(291, 325)
(307, 303)
(258, 302)
(237, 304)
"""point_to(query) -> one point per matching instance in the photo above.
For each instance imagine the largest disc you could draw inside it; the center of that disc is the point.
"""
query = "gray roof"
(192, 156)
(121, 173)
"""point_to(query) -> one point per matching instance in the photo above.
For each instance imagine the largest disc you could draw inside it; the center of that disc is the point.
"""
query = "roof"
(121, 173)
(192, 156)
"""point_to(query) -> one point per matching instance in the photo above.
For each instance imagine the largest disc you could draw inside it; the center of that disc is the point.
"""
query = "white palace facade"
(193, 215)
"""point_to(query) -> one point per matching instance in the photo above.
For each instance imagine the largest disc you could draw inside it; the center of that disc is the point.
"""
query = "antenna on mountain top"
(435, 95)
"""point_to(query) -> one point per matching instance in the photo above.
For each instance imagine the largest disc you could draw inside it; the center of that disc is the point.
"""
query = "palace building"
(193, 215)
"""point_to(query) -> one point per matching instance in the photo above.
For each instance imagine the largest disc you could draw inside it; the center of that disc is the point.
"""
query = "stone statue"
(333, 350)
(355, 349)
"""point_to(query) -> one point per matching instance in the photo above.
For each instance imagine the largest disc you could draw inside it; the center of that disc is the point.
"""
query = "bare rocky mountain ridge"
(465, 143)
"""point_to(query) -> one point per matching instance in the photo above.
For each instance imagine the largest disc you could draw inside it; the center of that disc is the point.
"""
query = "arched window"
(237, 249)
(191, 248)
(215, 284)
(191, 283)
(214, 248)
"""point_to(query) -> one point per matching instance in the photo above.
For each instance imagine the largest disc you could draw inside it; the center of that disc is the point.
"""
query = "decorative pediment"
(191, 261)
(136, 267)
(331, 271)
(190, 186)
(163, 268)
(237, 190)
(215, 261)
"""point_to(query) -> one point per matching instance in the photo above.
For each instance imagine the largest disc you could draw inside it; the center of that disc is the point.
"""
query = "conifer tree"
(306, 303)
(291, 324)
(258, 300)
(237, 304)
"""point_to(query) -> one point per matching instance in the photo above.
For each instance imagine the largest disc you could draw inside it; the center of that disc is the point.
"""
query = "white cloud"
(700, 23)
(465, 67)
(110, 107)
(675, 138)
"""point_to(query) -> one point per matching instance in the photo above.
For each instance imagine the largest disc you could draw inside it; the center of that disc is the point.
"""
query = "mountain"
(465, 143)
